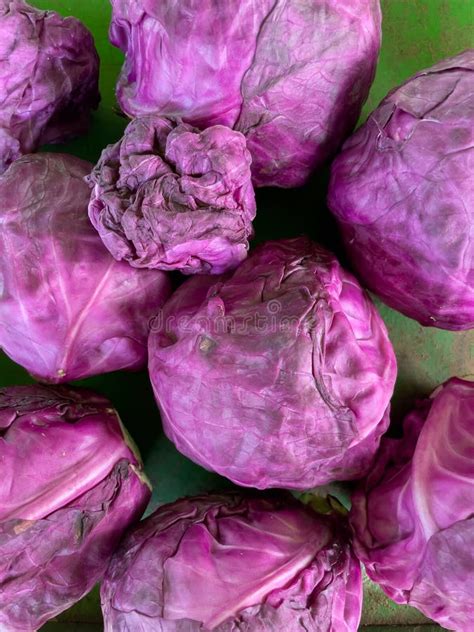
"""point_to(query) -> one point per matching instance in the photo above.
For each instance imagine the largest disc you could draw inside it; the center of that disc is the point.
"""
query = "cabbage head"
(291, 75)
(278, 374)
(234, 562)
(68, 310)
(49, 75)
(403, 192)
(413, 517)
(71, 484)
(171, 197)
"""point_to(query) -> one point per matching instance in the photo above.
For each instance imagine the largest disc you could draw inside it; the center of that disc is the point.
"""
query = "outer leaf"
(229, 563)
(55, 445)
(71, 485)
(413, 516)
(67, 309)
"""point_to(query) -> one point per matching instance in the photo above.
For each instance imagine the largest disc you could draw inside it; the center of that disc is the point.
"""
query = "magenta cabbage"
(68, 310)
(168, 196)
(289, 74)
(403, 192)
(71, 485)
(276, 375)
(232, 562)
(413, 517)
(49, 74)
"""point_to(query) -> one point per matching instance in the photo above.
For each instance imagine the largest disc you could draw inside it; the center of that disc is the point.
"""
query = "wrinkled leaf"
(403, 192)
(290, 363)
(413, 516)
(170, 197)
(49, 75)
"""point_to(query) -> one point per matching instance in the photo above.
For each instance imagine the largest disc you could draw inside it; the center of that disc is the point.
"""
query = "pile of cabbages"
(271, 367)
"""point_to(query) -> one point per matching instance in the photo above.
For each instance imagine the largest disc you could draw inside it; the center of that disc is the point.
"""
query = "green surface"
(416, 34)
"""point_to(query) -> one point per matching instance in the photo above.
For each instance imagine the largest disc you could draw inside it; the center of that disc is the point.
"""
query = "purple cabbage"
(276, 375)
(291, 75)
(233, 562)
(49, 74)
(413, 517)
(171, 197)
(68, 310)
(403, 192)
(71, 484)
